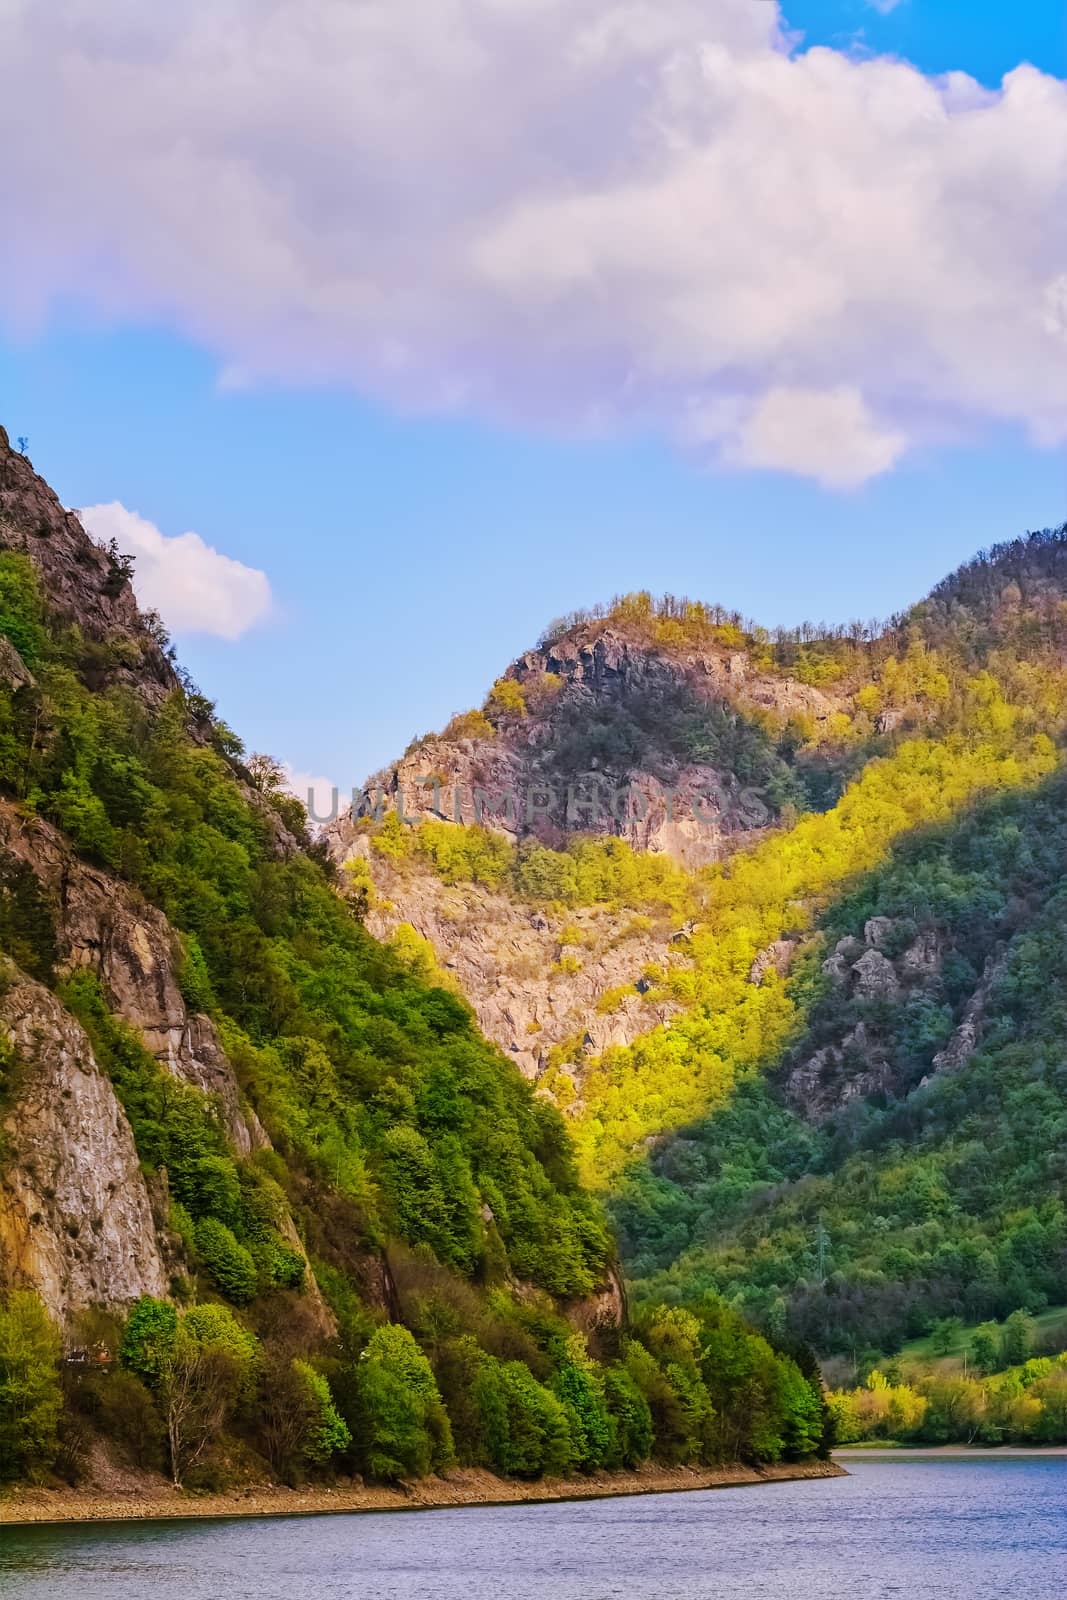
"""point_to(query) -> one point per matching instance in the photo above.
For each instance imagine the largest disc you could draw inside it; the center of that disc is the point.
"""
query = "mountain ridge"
(270, 1205)
(960, 697)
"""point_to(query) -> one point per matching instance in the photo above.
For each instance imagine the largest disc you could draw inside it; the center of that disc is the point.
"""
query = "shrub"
(226, 1261)
(506, 699)
(469, 725)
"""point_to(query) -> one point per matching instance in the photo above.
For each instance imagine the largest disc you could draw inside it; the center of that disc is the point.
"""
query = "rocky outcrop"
(537, 979)
(776, 958)
(14, 673)
(601, 1316)
(76, 1221)
(874, 977)
(839, 1074)
(84, 587)
(967, 1037)
(546, 772)
(858, 1064)
(105, 925)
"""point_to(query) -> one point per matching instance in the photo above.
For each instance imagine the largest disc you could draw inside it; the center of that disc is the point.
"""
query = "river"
(926, 1529)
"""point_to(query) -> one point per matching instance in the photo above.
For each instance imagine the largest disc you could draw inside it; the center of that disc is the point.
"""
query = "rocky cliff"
(164, 923)
(674, 751)
(550, 987)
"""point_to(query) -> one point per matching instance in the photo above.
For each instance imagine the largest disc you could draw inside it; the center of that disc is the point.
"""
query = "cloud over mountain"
(194, 587)
(582, 214)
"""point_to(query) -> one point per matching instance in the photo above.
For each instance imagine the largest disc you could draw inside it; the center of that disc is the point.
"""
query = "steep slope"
(268, 1163)
(755, 977)
(664, 733)
(906, 1159)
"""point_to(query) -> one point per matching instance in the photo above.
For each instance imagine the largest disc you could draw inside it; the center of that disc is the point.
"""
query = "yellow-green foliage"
(590, 871)
(730, 1026)
(359, 880)
(469, 725)
(1026, 1404)
(417, 954)
(506, 699)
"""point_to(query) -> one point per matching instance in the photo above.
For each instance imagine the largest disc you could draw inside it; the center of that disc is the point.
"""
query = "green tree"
(945, 1335)
(208, 1369)
(579, 1385)
(631, 1418)
(1016, 1339)
(226, 1260)
(985, 1348)
(399, 1425)
(328, 1434)
(526, 1427)
(30, 1394)
(148, 1338)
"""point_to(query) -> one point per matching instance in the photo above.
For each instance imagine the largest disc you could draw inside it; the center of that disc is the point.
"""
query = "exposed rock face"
(875, 977)
(532, 992)
(75, 1217)
(104, 924)
(858, 1064)
(878, 931)
(965, 1040)
(81, 582)
(776, 958)
(534, 777)
(13, 670)
(602, 1315)
(838, 1074)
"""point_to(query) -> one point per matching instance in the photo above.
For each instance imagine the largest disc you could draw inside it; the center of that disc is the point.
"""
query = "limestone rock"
(76, 1222)
(776, 957)
(517, 782)
(13, 670)
(103, 924)
(79, 580)
(965, 1040)
(505, 961)
(878, 930)
(875, 977)
(923, 958)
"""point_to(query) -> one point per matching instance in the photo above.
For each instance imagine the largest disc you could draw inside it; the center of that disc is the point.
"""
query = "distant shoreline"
(463, 1487)
(967, 1451)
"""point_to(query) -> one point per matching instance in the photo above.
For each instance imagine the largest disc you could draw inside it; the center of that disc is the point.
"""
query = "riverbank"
(905, 1451)
(461, 1487)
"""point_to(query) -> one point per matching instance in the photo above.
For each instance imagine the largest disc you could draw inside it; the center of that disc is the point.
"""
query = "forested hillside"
(270, 1204)
(836, 1095)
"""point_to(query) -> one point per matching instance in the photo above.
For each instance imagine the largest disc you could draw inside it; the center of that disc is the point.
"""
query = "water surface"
(927, 1529)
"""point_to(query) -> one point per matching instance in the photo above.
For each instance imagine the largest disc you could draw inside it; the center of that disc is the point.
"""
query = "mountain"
(799, 993)
(270, 1203)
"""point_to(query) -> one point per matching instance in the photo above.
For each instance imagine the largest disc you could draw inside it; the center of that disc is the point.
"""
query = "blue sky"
(413, 545)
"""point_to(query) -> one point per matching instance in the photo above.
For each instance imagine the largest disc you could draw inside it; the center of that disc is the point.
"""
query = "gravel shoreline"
(462, 1487)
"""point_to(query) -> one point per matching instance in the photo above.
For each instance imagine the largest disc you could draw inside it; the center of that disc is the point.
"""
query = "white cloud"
(194, 588)
(829, 435)
(322, 797)
(586, 214)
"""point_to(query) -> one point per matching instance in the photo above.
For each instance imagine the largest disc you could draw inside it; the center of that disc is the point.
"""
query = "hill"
(270, 1204)
(803, 1009)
